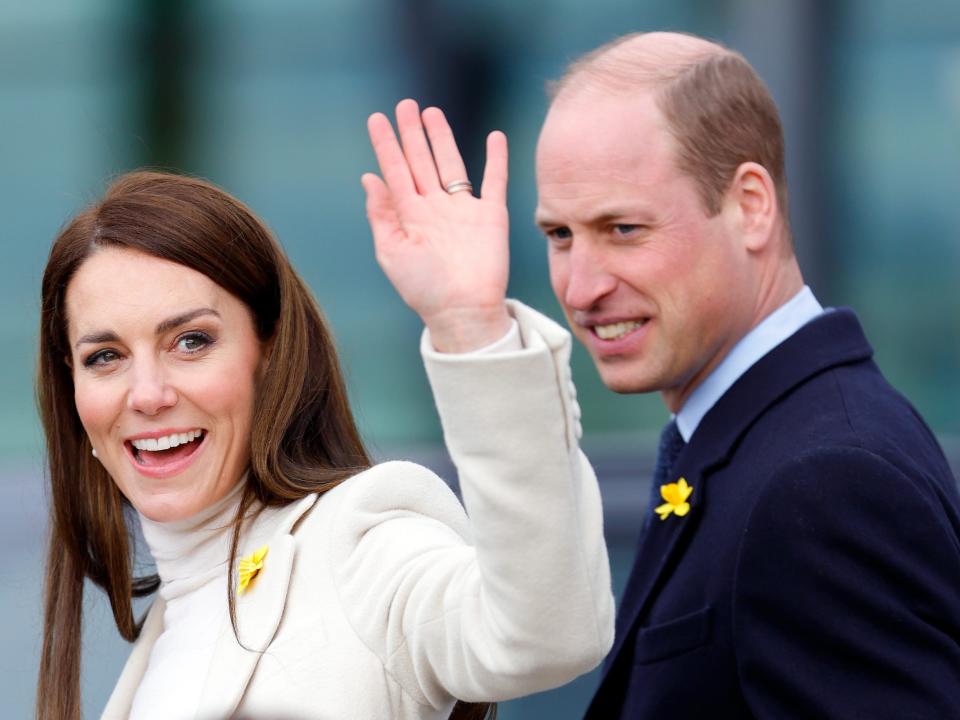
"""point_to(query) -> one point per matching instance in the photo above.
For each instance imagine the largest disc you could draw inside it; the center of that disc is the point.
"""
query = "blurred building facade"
(269, 100)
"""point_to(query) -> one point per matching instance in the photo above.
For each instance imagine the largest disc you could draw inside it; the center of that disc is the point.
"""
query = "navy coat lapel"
(662, 540)
(835, 338)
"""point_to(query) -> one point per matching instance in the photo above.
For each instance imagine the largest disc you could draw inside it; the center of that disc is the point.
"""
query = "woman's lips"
(167, 462)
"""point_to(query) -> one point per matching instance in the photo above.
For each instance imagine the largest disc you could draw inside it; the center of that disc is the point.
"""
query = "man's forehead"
(609, 130)
(595, 197)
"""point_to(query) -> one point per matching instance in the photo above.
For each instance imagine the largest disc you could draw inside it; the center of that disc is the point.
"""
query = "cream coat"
(380, 599)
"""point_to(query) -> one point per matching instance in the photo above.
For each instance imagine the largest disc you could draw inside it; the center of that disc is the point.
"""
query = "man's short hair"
(717, 108)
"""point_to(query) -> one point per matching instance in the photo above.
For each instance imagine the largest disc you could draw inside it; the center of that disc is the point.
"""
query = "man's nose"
(589, 280)
(150, 391)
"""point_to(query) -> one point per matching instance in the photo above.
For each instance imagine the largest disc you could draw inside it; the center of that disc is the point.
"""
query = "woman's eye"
(101, 358)
(192, 342)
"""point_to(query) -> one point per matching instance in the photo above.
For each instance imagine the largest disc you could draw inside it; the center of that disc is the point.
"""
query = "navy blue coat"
(817, 574)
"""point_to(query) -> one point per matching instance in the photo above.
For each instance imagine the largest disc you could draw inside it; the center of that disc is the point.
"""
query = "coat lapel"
(657, 548)
(258, 610)
(118, 706)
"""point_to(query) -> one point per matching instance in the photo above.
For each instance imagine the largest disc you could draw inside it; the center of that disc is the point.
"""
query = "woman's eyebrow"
(103, 336)
(183, 319)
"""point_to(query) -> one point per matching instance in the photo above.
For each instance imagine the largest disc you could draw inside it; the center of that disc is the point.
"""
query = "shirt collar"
(772, 330)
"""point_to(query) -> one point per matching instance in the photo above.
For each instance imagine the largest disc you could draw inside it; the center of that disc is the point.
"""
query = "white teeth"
(615, 330)
(167, 442)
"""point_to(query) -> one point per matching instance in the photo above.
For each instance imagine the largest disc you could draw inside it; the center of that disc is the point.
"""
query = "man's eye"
(192, 342)
(559, 234)
(100, 358)
(624, 229)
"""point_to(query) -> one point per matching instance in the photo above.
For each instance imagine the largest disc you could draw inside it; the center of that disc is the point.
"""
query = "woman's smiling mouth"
(167, 454)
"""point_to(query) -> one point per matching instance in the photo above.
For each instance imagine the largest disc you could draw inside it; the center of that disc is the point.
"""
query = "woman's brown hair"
(303, 436)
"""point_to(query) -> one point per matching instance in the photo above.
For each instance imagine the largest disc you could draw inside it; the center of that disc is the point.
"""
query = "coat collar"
(258, 611)
(832, 339)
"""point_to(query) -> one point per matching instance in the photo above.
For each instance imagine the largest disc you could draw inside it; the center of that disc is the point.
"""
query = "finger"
(448, 159)
(494, 185)
(415, 147)
(381, 211)
(390, 157)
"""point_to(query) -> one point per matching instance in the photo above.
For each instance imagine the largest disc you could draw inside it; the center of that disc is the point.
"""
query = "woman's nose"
(150, 392)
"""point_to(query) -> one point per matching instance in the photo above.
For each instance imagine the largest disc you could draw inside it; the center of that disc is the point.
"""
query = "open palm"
(446, 253)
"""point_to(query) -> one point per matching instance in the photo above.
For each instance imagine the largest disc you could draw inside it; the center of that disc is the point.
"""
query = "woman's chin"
(168, 507)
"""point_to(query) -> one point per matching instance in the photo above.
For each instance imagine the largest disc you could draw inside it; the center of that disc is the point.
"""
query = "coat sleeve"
(515, 600)
(847, 594)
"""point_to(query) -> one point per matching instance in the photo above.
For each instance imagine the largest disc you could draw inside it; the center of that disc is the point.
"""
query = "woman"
(186, 373)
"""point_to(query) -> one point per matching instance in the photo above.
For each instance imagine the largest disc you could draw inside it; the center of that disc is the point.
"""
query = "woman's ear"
(266, 349)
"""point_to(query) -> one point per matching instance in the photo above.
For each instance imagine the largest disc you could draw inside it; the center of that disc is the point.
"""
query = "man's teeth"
(166, 442)
(616, 330)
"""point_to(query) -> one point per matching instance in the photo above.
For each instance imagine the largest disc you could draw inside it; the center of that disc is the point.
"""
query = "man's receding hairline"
(621, 66)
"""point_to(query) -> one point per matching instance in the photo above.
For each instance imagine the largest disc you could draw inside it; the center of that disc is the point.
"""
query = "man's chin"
(621, 380)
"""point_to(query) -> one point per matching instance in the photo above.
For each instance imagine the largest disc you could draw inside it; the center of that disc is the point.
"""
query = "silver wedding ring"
(459, 186)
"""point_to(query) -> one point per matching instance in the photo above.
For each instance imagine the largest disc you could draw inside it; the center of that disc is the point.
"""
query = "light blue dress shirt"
(773, 330)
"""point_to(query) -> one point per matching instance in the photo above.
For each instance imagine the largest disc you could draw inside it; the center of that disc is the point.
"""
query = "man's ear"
(751, 200)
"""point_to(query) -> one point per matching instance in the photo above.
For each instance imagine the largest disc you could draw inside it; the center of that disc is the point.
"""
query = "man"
(804, 558)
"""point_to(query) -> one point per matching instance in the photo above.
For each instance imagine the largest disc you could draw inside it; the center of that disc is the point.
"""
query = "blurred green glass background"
(269, 100)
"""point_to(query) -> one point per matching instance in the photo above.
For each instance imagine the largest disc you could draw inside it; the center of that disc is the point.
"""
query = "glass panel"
(896, 178)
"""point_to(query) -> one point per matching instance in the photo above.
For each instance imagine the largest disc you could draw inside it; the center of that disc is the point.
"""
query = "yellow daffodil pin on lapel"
(250, 567)
(675, 496)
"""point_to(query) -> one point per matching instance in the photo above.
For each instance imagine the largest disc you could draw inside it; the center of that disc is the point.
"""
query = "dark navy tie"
(671, 443)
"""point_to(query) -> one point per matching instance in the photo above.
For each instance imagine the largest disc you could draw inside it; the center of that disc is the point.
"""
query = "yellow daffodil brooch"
(675, 495)
(250, 567)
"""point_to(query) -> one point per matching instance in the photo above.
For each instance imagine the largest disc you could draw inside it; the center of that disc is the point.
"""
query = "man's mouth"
(159, 451)
(617, 330)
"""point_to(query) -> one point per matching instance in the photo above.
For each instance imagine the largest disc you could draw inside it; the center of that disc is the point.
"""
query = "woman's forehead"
(117, 285)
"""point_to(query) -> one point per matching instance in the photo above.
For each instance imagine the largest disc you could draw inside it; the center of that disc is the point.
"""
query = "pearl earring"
(94, 451)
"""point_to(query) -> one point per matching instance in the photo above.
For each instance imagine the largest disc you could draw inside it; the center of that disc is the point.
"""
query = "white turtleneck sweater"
(191, 557)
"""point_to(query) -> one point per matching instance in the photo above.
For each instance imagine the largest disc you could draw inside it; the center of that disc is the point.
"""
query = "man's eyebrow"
(601, 217)
(96, 338)
(103, 336)
(545, 218)
(541, 219)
